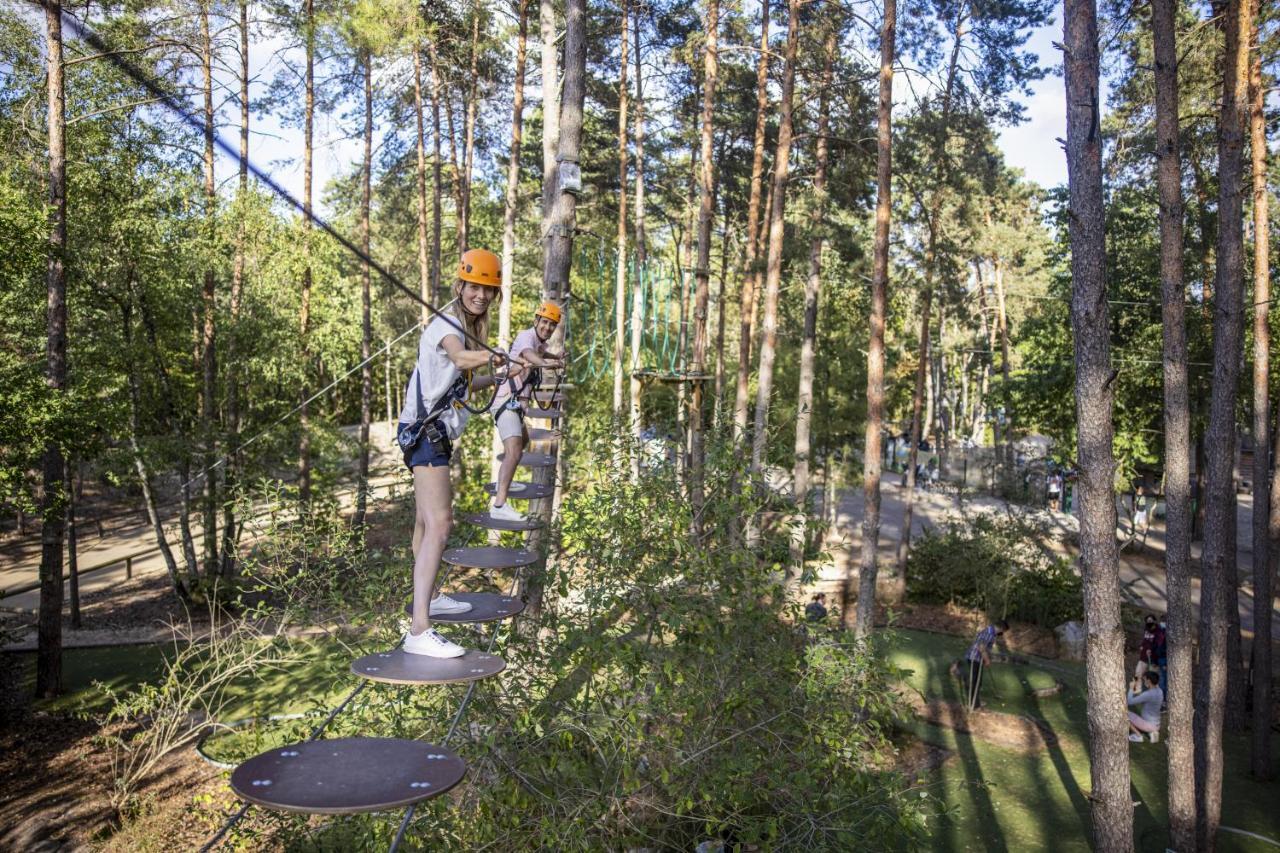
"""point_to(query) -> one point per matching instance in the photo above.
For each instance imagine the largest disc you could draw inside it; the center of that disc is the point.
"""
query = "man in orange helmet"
(529, 348)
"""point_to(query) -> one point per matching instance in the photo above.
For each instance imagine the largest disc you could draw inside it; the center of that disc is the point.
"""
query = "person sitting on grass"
(979, 656)
(1147, 719)
(530, 349)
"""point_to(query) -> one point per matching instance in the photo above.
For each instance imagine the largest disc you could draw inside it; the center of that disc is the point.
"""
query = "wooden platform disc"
(533, 460)
(485, 607)
(531, 491)
(536, 434)
(348, 775)
(483, 519)
(547, 414)
(490, 557)
(400, 667)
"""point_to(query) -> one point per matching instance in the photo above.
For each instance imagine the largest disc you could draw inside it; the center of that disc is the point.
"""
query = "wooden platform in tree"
(348, 775)
(490, 557)
(400, 667)
(485, 607)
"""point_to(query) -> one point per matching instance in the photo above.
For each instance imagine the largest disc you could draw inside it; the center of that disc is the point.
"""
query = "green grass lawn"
(1001, 799)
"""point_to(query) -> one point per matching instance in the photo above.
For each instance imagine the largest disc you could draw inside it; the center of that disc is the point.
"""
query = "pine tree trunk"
(917, 406)
(139, 463)
(872, 453)
(456, 169)
(777, 227)
(511, 205)
(620, 282)
(469, 129)
(441, 287)
(73, 566)
(562, 214)
(550, 114)
(702, 272)
(746, 308)
(304, 320)
(1177, 435)
(366, 317)
(636, 413)
(1099, 556)
(1006, 388)
(209, 307)
(237, 296)
(1264, 504)
(800, 474)
(1217, 563)
(424, 253)
(53, 497)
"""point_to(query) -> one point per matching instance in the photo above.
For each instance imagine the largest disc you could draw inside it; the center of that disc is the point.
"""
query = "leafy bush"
(996, 565)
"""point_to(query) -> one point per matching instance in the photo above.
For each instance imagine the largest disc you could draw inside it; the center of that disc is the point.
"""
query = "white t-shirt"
(526, 340)
(432, 377)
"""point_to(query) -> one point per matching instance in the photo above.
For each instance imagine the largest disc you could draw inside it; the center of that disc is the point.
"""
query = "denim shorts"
(426, 453)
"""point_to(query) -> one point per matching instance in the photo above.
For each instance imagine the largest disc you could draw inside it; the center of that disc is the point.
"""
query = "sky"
(1031, 146)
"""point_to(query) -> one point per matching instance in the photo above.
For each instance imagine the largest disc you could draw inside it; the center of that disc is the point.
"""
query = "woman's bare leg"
(433, 497)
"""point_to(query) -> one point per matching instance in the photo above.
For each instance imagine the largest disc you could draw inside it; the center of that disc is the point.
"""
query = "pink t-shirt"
(526, 340)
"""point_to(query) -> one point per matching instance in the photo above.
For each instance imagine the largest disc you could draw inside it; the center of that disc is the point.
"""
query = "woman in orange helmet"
(529, 349)
(433, 417)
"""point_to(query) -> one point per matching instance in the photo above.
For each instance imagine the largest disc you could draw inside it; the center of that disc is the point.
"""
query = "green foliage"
(994, 564)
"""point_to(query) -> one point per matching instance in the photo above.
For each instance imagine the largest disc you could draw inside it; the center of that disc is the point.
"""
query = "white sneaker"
(1155, 737)
(1133, 738)
(506, 512)
(443, 605)
(432, 644)
(515, 488)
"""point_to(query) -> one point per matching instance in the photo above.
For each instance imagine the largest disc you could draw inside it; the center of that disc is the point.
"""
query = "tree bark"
(1177, 435)
(1099, 555)
(1217, 563)
(777, 228)
(746, 308)
(1264, 536)
(871, 454)
(73, 566)
(812, 295)
(209, 308)
(469, 129)
(563, 211)
(441, 287)
(425, 287)
(366, 314)
(550, 116)
(53, 497)
(511, 204)
(702, 272)
(237, 295)
(304, 319)
(139, 462)
(636, 413)
(620, 283)
(455, 167)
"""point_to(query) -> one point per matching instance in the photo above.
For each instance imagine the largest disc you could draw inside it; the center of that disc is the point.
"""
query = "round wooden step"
(348, 775)
(546, 414)
(484, 519)
(531, 459)
(400, 667)
(531, 491)
(485, 607)
(490, 557)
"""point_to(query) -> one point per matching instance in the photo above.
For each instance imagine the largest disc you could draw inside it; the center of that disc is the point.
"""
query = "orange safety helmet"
(550, 310)
(480, 266)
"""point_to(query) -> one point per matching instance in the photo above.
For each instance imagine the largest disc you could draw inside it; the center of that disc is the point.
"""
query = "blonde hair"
(477, 326)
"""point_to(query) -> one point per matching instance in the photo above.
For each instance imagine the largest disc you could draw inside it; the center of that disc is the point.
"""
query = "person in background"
(528, 349)
(1055, 491)
(1152, 638)
(816, 610)
(1148, 702)
(979, 656)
